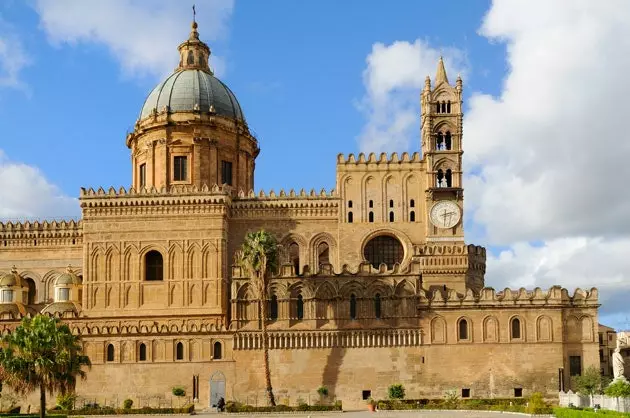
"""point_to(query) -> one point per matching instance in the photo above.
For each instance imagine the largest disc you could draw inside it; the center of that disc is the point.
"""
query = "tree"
(589, 383)
(41, 353)
(258, 256)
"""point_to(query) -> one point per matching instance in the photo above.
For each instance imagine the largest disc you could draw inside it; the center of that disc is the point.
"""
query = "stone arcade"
(377, 285)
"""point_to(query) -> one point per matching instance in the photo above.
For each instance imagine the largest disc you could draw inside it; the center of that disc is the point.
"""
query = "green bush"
(66, 401)
(127, 404)
(585, 413)
(235, 407)
(187, 409)
(179, 391)
(537, 404)
(322, 391)
(451, 399)
(396, 391)
(618, 389)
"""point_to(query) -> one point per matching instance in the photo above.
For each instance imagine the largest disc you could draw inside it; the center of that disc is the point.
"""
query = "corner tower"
(191, 129)
(441, 125)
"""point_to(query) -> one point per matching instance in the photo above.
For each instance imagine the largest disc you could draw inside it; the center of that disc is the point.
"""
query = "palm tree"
(258, 256)
(42, 354)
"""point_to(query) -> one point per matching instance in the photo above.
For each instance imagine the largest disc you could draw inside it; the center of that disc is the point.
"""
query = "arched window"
(294, 256)
(154, 266)
(412, 216)
(516, 329)
(448, 107)
(371, 204)
(449, 178)
(448, 141)
(440, 181)
(377, 306)
(217, 352)
(383, 249)
(437, 107)
(443, 107)
(191, 58)
(463, 329)
(63, 294)
(110, 352)
(349, 203)
(349, 217)
(273, 307)
(142, 352)
(32, 291)
(391, 203)
(353, 306)
(391, 216)
(371, 217)
(179, 351)
(300, 307)
(439, 142)
(412, 203)
(323, 253)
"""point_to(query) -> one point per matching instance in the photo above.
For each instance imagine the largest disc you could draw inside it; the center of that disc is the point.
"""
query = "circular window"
(383, 249)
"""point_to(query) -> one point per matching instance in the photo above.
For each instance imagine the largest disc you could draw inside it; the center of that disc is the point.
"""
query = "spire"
(194, 53)
(440, 75)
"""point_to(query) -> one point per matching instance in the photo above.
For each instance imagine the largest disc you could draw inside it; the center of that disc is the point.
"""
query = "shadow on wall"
(330, 376)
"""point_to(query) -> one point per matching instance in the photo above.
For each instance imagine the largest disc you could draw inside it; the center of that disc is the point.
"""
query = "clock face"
(445, 214)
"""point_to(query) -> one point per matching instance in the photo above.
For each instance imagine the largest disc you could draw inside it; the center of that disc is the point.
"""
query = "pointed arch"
(544, 329)
(352, 287)
(438, 330)
(321, 255)
(490, 329)
(464, 329)
(193, 261)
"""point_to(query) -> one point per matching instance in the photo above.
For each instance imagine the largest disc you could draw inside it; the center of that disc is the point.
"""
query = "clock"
(445, 214)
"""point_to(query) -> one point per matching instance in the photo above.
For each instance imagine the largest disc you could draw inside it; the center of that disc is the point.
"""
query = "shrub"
(66, 401)
(322, 391)
(302, 406)
(179, 391)
(127, 404)
(451, 399)
(618, 389)
(537, 405)
(396, 391)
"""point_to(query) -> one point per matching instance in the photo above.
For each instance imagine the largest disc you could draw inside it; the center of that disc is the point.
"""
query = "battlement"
(292, 194)
(153, 191)
(44, 233)
(382, 159)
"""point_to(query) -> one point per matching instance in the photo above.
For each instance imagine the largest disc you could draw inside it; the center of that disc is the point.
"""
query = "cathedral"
(376, 284)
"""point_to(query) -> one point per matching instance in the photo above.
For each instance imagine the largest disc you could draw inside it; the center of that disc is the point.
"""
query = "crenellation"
(382, 159)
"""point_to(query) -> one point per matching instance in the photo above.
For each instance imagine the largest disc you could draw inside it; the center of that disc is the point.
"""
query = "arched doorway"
(217, 388)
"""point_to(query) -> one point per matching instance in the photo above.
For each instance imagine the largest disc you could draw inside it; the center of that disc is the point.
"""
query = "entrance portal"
(217, 388)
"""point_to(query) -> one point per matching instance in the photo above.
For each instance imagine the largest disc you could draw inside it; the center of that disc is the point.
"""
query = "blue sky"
(316, 78)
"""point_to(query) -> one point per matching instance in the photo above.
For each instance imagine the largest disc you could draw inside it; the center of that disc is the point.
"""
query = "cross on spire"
(194, 13)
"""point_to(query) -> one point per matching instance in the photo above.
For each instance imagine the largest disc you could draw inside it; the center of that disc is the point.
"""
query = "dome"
(61, 308)
(68, 278)
(189, 90)
(11, 279)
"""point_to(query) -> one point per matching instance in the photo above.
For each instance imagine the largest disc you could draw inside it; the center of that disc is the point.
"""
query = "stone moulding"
(382, 159)
(41, 233)
(329, 339)
(283, 195)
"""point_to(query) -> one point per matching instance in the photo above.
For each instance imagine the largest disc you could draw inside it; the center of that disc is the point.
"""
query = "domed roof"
(67, 278)
(61, 308)
(190, 90)
(11, 279)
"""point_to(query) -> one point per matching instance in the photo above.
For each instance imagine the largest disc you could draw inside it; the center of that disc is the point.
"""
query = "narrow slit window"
(371, 217)
(217, 352)
(300, 307)
(350, 218)
(412, 203)
(226, 172)
(110, 352)
(142, 174)
(353, 306)
(273, 307)
(142, 352)
(391, 216)
(179, 351)
(349, 203)
(371, 203)
(377, 306)
(412, 216)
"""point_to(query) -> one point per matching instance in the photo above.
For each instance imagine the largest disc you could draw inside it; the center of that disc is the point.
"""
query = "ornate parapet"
(383, 159)
(488, 297)
(44, 233)
(313, 205)
(451, 258)
(175, 199)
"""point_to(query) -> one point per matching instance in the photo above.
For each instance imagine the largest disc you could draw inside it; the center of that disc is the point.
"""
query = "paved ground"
(379, 414)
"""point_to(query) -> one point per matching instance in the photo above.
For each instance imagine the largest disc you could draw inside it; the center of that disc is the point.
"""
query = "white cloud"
(26, 194)
(143, 35)
(553, 147)
(393, 79)
(13, 58)
(547, 157)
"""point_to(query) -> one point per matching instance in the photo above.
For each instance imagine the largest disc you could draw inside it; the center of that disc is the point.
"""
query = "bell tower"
(441, 132)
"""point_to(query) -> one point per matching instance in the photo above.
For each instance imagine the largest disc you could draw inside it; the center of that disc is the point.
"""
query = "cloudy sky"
(544, 135)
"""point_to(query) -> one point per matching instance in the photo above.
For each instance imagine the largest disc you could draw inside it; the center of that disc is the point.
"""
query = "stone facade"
(376, 286)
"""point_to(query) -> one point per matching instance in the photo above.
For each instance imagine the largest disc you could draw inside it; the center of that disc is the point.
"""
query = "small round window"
(383, 249)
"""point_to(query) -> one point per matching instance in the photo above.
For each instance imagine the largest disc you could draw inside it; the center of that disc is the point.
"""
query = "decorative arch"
(352, 287)
(289, 255)
(544, 329)
(573, 329)
(405, 289)
(587, 328)
(316, 255)
(399, 235)
(438, 330)
(194, 261)
(490, 329)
